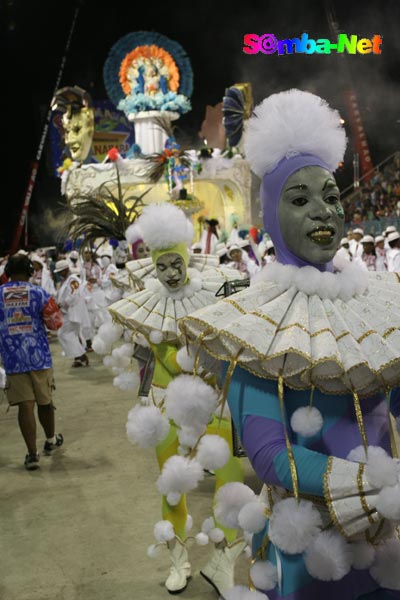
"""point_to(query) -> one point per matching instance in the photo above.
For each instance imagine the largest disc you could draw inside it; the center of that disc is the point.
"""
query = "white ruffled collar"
(350, 282)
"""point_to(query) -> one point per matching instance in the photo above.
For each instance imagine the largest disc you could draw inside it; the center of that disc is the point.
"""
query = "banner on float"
(111, 129)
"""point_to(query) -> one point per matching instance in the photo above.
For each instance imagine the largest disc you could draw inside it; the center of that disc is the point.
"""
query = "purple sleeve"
(265, 444)
(395, 402)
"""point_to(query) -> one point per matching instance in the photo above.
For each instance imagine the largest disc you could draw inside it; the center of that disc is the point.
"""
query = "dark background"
(34, 34)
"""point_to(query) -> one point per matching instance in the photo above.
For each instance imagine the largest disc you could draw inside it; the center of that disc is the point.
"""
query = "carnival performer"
(209, 238)
(76, 321)
(315, 359)
(154, 312)
(42, 275)
(381, 261)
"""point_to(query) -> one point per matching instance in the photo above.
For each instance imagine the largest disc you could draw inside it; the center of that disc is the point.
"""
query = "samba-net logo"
(267, 43)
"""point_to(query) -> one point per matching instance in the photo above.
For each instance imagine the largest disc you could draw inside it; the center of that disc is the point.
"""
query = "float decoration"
(237, 106)
(105, 213)
(146, 71)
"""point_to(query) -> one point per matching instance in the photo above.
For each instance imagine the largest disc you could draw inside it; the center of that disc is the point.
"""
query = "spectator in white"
(356, 247)
(343, 255)
(221, 250)
(92, 270)
(389, 229)
(25, 312)
(75, 315)
(369, 254)
(209, 239)
(381, 262)
(75, 265)
(394, 257)
(42, 275)
(236, 255)
(108, 269)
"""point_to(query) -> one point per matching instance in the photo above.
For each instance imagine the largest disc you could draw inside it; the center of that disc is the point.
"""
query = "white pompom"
(164, 531)
(146, 426)
(190, 402)
(216, 535)
(156, 337)
(252, 517)
(189, 523)
(110, 332)
(248, 538)
(264, 575)
(328, 557)
(386, 568)
(185, 359)
(240, 592)
(127, 380)
(124, 350)
(100, 346)
(189, 436)
(153, 551)
(293, 525)
(229, 501)
(202, 539)
(357, 454)
(179, 474)
(363, 555)
(306, 421)
(388, 502)
(108, 361)
(381, 471)
(208, 524)
(213, 452)
(183, 450)
(173, 498)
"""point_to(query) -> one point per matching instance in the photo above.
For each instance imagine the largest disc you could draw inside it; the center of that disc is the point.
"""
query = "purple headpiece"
(289, 131)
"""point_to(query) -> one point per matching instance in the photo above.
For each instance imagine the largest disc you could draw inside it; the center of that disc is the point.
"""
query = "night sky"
(34, 35)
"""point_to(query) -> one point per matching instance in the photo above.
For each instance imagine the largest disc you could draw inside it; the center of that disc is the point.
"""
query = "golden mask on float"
(78, 120)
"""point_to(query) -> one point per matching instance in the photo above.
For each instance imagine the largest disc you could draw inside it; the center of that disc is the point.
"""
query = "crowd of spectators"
(378, 198)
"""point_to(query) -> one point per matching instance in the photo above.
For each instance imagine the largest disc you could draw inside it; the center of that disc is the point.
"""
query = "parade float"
(149, 78)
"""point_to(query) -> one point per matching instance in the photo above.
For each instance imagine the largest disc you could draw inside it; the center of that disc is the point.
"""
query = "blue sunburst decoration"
(237, 105)
(147, 71)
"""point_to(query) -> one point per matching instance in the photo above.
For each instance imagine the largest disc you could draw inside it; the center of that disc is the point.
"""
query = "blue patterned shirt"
(23, 339)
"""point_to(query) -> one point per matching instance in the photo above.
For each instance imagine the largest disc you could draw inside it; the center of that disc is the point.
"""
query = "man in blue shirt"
(25, 312)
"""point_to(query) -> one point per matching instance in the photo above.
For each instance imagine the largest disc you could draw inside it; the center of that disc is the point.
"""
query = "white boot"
(180, 571)
(220, 569)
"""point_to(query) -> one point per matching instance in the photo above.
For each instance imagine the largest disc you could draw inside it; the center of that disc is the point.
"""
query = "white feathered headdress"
(291, 123)
(164, 225)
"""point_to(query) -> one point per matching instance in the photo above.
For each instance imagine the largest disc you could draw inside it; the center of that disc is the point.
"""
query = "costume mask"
(79, 129)
(310, 214)
(142, 250)
(171, 271)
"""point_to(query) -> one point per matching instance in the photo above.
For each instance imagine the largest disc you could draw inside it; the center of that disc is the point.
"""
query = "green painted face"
(171, 271)
(310, 214)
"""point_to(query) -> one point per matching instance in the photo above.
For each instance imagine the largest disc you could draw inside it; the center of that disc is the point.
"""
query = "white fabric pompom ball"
(208, 524)
(306, 421)
(202, 539)
(381, 471)
(328, 557)
(100, 346)
(252, 517)
(216, 535)
(248, 538)
(357, 454)
(127, 380)
(240, 592)
(153, 551)
(156, 337)
(179, 474)
(386, 568)
(388, 502)
(146, 426)
(213, 452)
(189, 436)
(164, 531)
(264, 575)
(190, 402)
(108, 361)
(293, 525)
(247, 552)
(110, 332)
(173, 498)
(185, 359)
(124, 350)
(363, 555)
(229, 501)
(189, 523)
